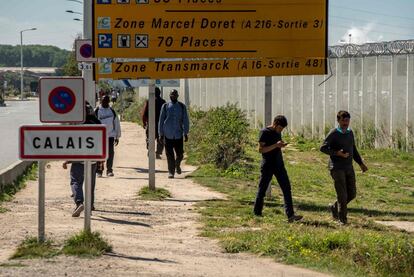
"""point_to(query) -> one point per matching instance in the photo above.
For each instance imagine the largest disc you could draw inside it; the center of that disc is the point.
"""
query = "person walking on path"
(339, 144)
(108, 117)
(77, 171)
(270, 145)
(158, 105)
(173, 125)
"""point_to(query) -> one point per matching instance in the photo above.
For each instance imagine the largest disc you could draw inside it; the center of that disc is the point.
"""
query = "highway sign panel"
(58, 142)
(211, 68)
(62, 99)
(84, 50)
(210, 29)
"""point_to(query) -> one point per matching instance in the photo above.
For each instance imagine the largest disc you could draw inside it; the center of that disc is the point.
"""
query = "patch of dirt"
(149, 238)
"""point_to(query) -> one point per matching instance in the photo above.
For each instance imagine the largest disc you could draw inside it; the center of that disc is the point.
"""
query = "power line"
(369, 21)
(373, 31)
(375, 13)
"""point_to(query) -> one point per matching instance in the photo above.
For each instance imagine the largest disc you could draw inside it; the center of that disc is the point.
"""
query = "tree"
(71, 66)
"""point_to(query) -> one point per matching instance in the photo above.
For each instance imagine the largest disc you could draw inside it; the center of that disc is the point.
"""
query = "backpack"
(113, 112)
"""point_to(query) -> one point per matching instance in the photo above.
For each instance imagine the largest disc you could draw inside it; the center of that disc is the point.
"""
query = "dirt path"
(148, 238)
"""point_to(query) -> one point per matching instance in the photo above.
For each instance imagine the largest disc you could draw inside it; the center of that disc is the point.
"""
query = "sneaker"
(170, 176)
(99, 175)
(294, 218)
(78, 210)
(158, 156)
(334, 211)
(110, 174)
(178, 169)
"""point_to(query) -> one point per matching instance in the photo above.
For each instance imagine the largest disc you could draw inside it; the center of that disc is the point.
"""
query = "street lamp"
(80, 2)
(21, 60)
(77, 19)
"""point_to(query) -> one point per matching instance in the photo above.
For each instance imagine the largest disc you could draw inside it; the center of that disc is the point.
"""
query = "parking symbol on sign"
(141, 41)
(141, 1)
(124, 41)
(123, 1)
(104, 1)
(105, 40)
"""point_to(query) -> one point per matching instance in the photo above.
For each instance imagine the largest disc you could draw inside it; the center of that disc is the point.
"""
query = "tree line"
(34, 56)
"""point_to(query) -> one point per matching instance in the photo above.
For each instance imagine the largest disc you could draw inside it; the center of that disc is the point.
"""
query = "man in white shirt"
(108, 117)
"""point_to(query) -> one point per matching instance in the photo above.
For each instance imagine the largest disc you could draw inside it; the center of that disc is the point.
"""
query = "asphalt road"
(15, 114)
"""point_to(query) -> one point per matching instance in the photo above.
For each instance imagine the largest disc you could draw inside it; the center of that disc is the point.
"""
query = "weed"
(86, 244)
(30, 248)
(159, 194)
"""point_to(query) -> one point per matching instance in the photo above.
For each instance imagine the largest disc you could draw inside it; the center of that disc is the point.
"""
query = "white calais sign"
(62, 100)
(59, 142)
(84, 51)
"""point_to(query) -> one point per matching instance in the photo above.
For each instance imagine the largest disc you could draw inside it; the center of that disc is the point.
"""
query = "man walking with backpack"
(159, 102)
(173, 126)
(108, 117)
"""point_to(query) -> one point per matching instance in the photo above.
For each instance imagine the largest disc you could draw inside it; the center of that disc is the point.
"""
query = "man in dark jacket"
(340, 146)
(270, 146)
(77, 171)
(158, 105)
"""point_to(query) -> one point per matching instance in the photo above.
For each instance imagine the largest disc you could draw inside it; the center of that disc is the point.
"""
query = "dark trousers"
(345, 186)
(283, 179)
(174, 159)
(110, 160)
(160, 144)
(76, 182)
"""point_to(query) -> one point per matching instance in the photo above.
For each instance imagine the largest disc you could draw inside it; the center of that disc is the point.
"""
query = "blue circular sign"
(86, 50)
(62, 100)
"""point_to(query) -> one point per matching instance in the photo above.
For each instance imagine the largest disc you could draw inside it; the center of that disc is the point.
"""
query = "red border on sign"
(101, 128)
(40, 99)
(57, 89)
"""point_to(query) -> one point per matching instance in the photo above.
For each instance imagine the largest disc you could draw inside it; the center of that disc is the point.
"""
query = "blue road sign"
(104, 40)
(62, 100)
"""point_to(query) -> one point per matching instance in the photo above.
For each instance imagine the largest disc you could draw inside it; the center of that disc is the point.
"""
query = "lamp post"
(21, 60)
(70, 11)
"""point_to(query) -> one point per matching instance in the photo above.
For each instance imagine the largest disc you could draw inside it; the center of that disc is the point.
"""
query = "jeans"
(174, 160)
(345, 186)
(76, 182)
(282, 177)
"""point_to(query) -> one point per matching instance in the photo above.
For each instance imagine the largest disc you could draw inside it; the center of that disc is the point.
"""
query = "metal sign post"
(88, 195)
(41, 212)
(151, 134)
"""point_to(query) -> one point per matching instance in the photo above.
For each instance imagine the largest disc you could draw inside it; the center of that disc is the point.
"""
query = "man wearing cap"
(173, 128)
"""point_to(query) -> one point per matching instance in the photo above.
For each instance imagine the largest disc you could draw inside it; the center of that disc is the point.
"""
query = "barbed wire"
(398, 47)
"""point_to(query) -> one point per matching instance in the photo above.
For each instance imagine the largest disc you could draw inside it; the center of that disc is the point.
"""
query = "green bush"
(219, 136)
(129, 108)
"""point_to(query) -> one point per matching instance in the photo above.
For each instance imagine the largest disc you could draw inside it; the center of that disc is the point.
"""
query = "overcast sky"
(366, 20)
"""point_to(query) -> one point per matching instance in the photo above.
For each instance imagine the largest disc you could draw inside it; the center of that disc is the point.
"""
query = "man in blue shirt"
(173, 125)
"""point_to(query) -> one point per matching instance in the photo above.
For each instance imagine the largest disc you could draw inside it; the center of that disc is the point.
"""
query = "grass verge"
(158, 195)
(11, 189)
(363, 248)
(86, 244)
(30, 248)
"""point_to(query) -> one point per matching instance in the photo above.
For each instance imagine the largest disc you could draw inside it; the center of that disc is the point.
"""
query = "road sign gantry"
(210, 29)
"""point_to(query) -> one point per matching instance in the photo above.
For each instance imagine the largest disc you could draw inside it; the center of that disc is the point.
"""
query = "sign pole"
(87, 34)
(41, 211)
(268, 116)
(151, 133)
(88, 195)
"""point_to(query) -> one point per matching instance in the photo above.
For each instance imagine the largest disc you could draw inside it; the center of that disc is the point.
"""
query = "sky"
(365, 20)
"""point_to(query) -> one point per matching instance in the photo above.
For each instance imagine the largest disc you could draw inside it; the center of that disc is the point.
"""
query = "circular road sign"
(86, 50)
(62, 100)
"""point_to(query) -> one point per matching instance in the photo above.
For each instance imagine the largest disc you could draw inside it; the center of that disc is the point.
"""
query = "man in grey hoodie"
(340, 146)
